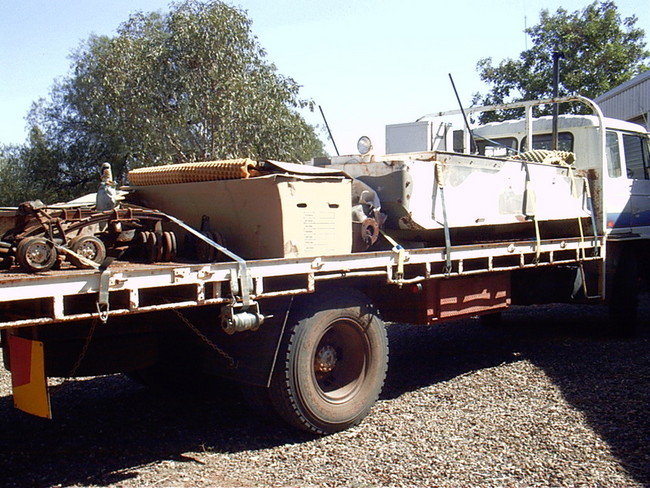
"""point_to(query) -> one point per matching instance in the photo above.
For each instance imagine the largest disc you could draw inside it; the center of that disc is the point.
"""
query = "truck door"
(619, 188)
(637, 164)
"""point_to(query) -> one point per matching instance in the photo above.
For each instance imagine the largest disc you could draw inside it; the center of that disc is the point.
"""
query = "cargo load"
(269, 210)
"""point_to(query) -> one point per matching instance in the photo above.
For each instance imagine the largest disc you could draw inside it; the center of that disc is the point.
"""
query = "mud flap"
(27, 363)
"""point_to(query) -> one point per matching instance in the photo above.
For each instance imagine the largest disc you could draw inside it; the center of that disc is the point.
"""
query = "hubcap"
(88, 250)
(325, 359)
(340, 361)
(38, 253)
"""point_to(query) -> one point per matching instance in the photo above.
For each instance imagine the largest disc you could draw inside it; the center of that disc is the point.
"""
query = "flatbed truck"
(305, 335)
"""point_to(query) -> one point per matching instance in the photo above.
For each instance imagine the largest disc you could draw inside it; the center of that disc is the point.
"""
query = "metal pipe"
(462, 110)
(556, 93)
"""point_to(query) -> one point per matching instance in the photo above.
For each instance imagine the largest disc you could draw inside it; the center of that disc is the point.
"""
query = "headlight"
(364, 145)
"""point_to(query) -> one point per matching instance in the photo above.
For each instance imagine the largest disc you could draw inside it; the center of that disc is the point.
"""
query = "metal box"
(274, 216)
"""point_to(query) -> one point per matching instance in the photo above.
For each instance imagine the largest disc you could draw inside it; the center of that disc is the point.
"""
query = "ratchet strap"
(530, 213)
(445, 222)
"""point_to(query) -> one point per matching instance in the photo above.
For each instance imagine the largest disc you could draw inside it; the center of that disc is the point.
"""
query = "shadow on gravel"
(104, 428)
(605, 377)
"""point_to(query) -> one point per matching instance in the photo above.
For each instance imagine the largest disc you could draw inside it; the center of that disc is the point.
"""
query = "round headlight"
(364, 145)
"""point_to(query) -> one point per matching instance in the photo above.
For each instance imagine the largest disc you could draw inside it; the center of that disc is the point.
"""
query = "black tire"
(332, 362)
(151, 247)
(36, 254)
(623, 295)
(89, 247)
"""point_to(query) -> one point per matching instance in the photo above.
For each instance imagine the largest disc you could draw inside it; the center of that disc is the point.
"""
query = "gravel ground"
(545, 399)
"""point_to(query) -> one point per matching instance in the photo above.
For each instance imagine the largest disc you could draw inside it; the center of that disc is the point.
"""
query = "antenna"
(525, 33)
(328, 130)
(462, 111)
(525, 26)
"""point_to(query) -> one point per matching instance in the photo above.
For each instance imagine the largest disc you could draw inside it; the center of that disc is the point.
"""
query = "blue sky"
(367, 63)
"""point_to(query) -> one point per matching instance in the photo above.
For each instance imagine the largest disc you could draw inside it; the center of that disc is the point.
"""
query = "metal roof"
(628, 101)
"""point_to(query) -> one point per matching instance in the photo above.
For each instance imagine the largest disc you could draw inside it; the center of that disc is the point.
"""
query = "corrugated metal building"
(629, 101)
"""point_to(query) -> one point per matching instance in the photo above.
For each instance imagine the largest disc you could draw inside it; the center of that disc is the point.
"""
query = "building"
(629, 101)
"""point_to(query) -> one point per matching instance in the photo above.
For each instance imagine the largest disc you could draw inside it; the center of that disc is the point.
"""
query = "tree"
(33, 171)
(191, 84)
(599, 53)
(11, 178)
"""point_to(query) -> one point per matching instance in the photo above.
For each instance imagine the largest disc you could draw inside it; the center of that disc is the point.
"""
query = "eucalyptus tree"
(189, 84)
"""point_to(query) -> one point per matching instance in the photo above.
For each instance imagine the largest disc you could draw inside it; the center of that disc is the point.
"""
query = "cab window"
(635, 150)
(545, 141)
(613, 155)
(498, 147)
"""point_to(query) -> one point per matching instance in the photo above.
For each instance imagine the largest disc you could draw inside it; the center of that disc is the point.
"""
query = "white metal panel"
(408, 137)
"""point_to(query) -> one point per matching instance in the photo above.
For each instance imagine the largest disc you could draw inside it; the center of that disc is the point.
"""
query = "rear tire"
(623, 295)
(332, 363)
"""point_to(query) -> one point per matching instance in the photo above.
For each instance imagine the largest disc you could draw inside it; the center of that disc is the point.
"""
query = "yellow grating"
(231, 169)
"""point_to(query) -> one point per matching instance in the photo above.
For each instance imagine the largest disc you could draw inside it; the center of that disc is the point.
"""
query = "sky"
(366, 63)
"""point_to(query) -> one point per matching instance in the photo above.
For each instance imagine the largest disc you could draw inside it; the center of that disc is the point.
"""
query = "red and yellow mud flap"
(27, 363)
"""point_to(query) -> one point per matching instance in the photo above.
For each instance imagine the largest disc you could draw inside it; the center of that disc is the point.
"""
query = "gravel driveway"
(540, 400)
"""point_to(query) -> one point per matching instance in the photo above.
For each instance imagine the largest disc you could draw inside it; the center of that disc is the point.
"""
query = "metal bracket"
(402, 256)
(103, 298)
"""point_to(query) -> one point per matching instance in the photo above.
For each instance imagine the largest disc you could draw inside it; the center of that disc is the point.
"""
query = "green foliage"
(35, 171)
(188, 85)
(599, 53)
(12, 182)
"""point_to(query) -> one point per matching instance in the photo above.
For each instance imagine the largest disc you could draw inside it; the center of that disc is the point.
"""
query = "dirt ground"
(548, 397)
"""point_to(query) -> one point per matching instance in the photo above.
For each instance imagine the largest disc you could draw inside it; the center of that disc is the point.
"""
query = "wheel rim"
(88, 249)
(340, 361)
(36, 254)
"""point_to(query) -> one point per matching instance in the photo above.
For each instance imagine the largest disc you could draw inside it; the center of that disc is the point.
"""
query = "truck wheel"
(89, 247)
(623, 297)
(332, 363)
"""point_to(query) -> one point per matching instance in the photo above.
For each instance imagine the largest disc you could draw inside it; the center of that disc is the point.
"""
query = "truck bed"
(65, 295)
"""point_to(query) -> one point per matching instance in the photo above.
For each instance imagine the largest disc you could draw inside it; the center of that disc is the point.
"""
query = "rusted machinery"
(264, 209)
(44, 237)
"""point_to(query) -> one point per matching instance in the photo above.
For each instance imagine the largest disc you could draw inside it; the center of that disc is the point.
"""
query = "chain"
(84, 349)
(82, 355)
(232, 363)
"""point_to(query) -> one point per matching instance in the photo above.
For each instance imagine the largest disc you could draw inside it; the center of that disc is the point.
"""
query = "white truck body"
(625, 182)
